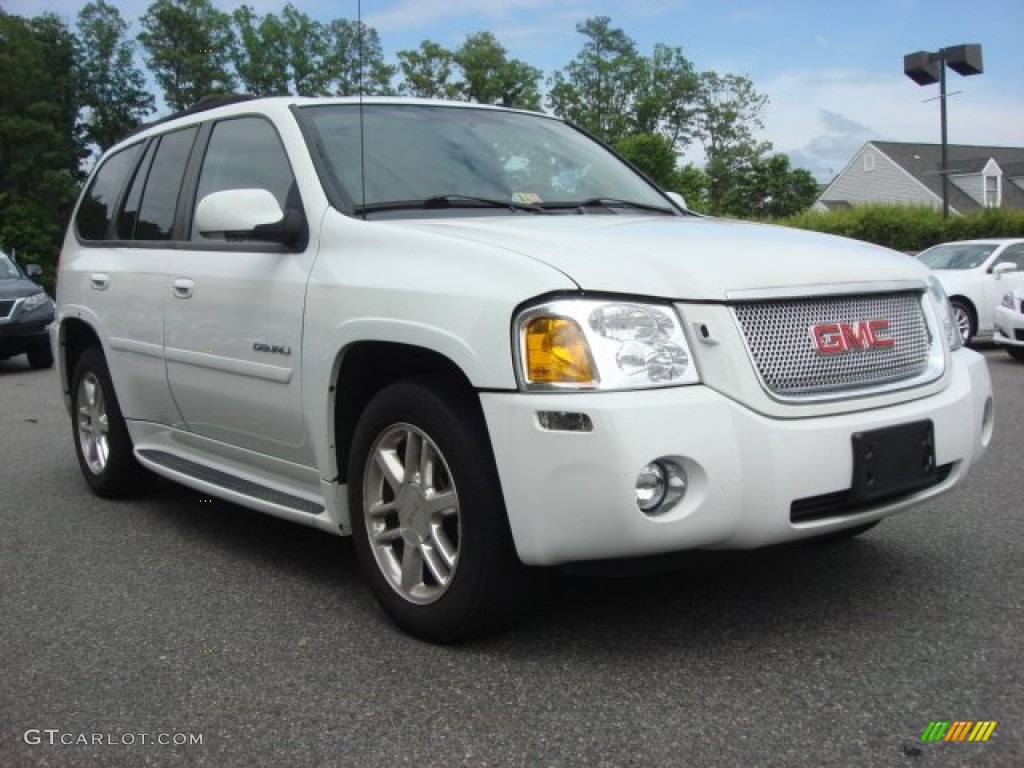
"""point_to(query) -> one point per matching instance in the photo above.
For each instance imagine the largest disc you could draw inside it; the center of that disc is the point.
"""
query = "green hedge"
(907, 228)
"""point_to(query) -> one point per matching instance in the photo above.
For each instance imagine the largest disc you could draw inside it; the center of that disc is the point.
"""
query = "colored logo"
(833, 338)
(958, 730)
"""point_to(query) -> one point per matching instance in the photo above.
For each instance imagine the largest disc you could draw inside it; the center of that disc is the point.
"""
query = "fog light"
(651, 485)
(660, 486)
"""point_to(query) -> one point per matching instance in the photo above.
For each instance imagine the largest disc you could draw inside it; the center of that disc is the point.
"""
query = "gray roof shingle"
(924, 162)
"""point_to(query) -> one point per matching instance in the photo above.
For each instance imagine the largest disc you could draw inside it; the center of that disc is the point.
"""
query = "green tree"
(727, 111)
(692, 183)
(111, 87)
(427, 72)
(653, 154)
(260, 52)
(307, 44)
(769, 187)
(666, 89)
(490, 77)
(356, 60)
(190, 45)
(41, 144)
(597, 89)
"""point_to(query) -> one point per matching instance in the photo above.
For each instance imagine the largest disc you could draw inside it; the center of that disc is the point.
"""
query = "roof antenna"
(359, 86)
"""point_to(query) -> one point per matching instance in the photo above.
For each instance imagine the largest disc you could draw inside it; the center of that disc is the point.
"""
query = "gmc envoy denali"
(480, 343)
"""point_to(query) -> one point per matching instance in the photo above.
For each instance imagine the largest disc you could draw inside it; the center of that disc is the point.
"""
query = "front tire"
(428, 516)
(40, 357)
(102, 442)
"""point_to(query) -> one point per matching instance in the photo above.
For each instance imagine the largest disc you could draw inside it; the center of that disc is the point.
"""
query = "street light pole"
(926, 68)
(942, 120)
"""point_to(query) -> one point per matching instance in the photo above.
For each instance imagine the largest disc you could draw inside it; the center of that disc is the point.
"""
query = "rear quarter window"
(92, 222)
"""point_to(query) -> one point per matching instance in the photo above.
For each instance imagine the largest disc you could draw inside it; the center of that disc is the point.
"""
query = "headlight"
(602, 345)
(1007, 301)
(35, 301)
(945, 312)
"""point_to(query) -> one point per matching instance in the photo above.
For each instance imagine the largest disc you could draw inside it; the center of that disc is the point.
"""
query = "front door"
(234, 310)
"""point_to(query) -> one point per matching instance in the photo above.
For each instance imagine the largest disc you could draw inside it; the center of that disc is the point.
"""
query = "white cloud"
(821, 118)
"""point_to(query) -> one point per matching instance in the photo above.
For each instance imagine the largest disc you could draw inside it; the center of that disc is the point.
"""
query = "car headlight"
(35, 301)
(945, 312)
(602, 345)
(1007, 301)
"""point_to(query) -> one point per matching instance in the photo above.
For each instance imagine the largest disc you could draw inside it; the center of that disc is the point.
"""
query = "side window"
(129, 215)
(1014, 255)
(97, 209)
(163, 183)
(246, 153)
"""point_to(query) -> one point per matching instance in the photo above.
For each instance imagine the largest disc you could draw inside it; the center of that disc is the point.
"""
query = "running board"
(238, 485)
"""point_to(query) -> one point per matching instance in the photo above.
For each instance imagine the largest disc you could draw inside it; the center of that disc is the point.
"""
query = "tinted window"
(246, 153)
(130, 212)
(160, 197)
(1014, 255)
(97, 208)
(7, 268)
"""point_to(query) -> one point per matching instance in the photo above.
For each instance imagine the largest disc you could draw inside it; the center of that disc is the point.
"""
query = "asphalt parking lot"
(171, 617)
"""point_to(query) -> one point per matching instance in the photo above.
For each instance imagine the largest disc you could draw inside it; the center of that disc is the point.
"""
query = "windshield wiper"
(444, 202)
(610, 202)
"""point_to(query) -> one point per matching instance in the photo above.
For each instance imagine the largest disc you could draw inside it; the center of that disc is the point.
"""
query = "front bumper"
(25, 331)
(570, 495)
(1009, 327)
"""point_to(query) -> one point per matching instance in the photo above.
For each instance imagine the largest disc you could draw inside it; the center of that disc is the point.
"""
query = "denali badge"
(831, 338)
(274, 349)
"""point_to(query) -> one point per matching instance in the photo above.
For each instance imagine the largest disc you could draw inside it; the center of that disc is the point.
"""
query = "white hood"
(680, 258)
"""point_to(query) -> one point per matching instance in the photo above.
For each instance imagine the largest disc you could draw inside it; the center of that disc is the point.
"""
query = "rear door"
(233, 310)
(114, 274)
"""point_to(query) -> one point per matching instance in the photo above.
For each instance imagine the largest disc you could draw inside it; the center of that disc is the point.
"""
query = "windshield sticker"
(526, 198)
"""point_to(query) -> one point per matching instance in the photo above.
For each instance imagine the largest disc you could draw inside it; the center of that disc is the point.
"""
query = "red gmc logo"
(832, 338)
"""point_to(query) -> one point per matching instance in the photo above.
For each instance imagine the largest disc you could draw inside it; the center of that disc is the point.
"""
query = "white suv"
(480, 343)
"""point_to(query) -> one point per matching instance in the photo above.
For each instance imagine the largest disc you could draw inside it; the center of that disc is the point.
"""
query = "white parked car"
(1009, 332)
(976, 275)
(479, 343)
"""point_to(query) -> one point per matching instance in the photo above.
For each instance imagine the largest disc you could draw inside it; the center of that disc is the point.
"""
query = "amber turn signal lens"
(557, 352)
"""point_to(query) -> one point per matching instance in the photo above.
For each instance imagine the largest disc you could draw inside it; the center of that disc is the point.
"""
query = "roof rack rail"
(204, 104)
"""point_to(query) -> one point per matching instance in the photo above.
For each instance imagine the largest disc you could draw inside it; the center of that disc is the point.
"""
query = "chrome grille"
(778, 336)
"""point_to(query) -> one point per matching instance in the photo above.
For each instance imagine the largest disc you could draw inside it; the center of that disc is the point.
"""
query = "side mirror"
(1007, 266)
(247, 214)
(33, 270)
(678, 199)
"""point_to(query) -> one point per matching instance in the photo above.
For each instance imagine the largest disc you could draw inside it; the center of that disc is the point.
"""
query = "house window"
(991, 191)
(869, 162)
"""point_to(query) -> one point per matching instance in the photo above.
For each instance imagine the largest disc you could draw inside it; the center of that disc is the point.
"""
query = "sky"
(832, 69)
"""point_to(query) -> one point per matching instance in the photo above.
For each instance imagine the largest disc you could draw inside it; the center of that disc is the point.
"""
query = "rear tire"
(102, 442)
(428, 517)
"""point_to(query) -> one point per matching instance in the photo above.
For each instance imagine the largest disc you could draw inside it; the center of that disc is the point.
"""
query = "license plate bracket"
(893, 461)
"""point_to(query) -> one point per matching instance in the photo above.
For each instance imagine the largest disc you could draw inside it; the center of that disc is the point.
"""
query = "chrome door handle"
(99, 281)
(183, 288)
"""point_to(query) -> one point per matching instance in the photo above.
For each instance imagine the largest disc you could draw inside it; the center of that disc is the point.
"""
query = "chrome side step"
(236, 485)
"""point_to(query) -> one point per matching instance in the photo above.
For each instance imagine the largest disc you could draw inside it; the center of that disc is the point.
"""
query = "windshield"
(7, 268)
(957, 255)
(417, 153)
